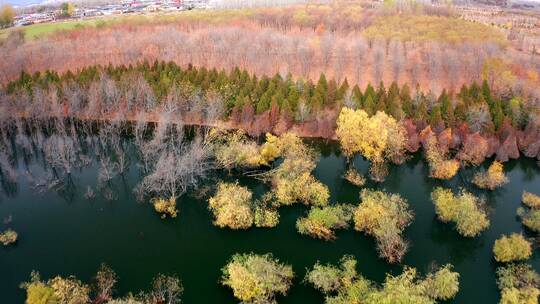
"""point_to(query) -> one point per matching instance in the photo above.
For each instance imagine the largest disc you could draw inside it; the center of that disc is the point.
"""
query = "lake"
(61, 232)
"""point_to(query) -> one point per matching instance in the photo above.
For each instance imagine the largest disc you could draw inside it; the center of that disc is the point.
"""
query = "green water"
(61, 232)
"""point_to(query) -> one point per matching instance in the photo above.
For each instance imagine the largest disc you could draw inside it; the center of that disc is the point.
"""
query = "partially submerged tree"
(321, 222)
(342, 284)
(440, 165)
(232, 206)
(105, 280)
(530, 214)
(384, 216)
(178, 167)
(518, 284)
(512, 248)
(55, 290)
(235, 150)
(165, 289)
(531, 200)
(257, 278)
(354, 177)
(38, 292)
(379, 138)
(8, 237)
(464, 209)
(493, 178)
(165, 206)
(292, 181)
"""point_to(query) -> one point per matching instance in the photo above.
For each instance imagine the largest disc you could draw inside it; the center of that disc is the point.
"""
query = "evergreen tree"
(357, 96)
(331, 93)
(321, 90)
(435, 118)
(369, 105)
(406, 101)
(446, 108)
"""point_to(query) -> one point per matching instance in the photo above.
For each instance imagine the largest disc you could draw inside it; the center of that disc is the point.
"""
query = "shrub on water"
(355, 178)
(235, 150)
(384, 216)
(321, 222)
(232, 206)
(442, 284)
(530, 218)
(8, 237)
(257, 278)
(519, 284)
(165, 206)
(292, 181)
(440, 166)
(493, 178)
(531, 200)
(56, 290)
(530, 215)
(379, 138)
(512, 248)
(342, 284)
(60, 290)
(464, 209)
(265, 217)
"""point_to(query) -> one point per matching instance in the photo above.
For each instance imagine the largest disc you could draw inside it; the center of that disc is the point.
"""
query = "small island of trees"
(512, 248)
(464, 209)
(530, 214)
(343, 284)
(257, 278)
(384, 216)
(8, 237)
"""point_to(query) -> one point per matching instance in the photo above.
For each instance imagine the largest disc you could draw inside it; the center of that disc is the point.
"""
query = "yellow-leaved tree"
(379, 138)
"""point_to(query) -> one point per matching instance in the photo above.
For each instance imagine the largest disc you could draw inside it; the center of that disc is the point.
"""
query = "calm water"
(64, 233)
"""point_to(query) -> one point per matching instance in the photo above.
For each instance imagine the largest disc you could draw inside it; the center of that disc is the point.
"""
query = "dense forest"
(474, 121)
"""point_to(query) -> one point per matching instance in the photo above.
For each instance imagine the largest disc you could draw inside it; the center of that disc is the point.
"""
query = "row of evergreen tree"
(238, 88)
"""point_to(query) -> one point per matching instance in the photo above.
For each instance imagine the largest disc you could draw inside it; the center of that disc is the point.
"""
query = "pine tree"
(369, 105)
(264, 103)
(321, 89)
(435, 118)
(331, 93)
(497, 114)
(342, 90)
(406, 101)
(357, 96)
(446, 108)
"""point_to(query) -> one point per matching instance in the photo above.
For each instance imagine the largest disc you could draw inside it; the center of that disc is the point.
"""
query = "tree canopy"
(321, 222)
(257, 278)
(384, 216)
(342, 284)
(512, 248)
(7, 15)
(378, 138)
(464, 209)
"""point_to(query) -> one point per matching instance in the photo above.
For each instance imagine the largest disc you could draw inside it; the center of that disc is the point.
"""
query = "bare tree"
(378, 63)
(397, 59)
(359, 48)
(105, 280)
(166, 289)
(340, 61)
(177, 169)
(305, 58)
(326, 46)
